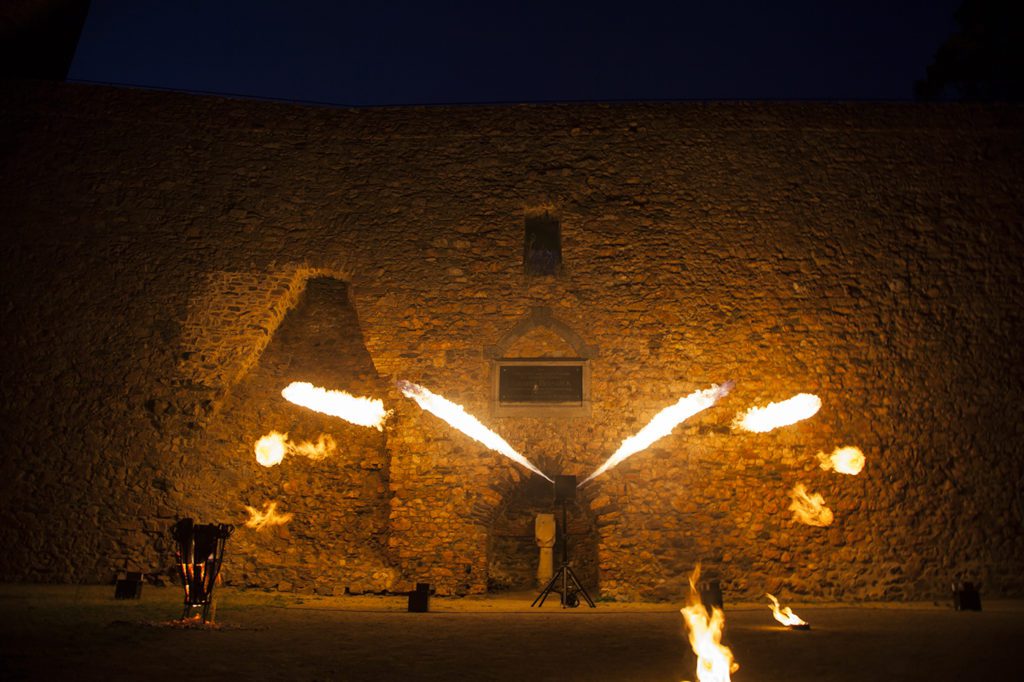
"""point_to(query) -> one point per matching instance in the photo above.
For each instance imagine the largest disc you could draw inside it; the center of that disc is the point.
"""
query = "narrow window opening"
(542, 246)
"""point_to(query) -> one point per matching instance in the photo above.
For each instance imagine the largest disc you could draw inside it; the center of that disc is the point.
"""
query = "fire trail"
(662, 424)
(457, 416)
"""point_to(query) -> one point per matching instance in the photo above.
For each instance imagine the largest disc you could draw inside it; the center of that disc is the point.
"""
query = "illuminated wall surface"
(171, 262)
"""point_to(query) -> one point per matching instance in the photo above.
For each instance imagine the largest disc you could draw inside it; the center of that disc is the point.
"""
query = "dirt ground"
(83, 633)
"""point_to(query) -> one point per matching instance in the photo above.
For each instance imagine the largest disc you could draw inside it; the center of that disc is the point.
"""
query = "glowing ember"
(271, 448)
(785, 615)
(714, 661)
(774, 415)
(260, 520)
(357, 410)
(457, 416)
(848, 460)
(809, 509)
(662, 424)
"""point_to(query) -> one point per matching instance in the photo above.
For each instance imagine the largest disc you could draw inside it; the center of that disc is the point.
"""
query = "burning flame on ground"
(662, 424)
(357, 410)
(846, 460)
(714, 661)
(809, 509)
(260, 520)
(774, 415)
(271, 448)
(784, 615)
(457, 416)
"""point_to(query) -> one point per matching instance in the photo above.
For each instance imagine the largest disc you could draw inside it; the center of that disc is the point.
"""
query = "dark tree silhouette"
(984, 59)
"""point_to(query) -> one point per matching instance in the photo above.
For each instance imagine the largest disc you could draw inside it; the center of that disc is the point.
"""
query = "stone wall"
(158, 259)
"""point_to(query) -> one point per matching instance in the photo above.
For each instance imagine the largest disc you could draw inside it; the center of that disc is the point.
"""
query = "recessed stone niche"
(513, 552)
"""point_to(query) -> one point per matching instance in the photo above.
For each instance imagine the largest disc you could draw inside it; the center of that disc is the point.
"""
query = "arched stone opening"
(513, 553)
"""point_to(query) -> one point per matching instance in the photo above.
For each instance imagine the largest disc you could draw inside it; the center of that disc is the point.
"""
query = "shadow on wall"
(330, 490)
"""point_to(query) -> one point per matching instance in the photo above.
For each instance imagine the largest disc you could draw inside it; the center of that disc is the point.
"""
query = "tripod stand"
(564, 577)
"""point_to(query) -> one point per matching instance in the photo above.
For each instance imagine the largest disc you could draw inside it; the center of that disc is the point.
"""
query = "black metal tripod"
(564, 577)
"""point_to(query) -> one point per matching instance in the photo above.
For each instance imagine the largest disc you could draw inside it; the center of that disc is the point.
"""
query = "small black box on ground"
(966, 597)
(419, 599)
(129, 587)
(711, 594)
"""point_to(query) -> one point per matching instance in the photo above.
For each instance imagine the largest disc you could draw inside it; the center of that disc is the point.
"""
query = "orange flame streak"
(271, 448)
(774, 415)
(715, 662)
(260, 520)
(847, 460)
(809, 509)
(457, 416)
(357, 410)
(784, 615)
(662, 424)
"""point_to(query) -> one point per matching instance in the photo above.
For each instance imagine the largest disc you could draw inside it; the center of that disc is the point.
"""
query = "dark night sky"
(406, 52)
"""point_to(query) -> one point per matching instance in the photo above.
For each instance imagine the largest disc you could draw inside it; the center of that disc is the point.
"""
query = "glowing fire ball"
(270, 449)
(846, 460)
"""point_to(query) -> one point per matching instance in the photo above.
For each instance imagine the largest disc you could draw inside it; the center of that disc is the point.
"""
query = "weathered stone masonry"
(170, 261)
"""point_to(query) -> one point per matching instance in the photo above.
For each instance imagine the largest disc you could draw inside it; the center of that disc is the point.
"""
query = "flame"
(662, 424)
(846, 460)
(784, 615)
(809, 509)
(266, 518)
(325, 445)
(271, 448)
(714, 661)
(457, 416)
(774, 415)
(357, 410)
